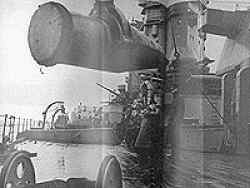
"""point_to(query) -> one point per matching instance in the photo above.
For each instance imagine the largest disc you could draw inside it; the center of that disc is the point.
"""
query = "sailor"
(130, 124)
(98, 117)
(113, 98)
(123, 93)
(73, 115)
(148, 87)
(143, 92)
(150, 111)
(62, 119)
(84, 112)
(99, 113)
(79, 110)
(121, 97)
(94, 119)
(94, 112)
(89, 115)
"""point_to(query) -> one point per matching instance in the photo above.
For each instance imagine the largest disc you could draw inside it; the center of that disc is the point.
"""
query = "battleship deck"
(188, 170)
(63, 161)
(212, 170)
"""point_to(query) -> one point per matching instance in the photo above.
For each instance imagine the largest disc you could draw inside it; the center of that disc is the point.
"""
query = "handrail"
(14, 125)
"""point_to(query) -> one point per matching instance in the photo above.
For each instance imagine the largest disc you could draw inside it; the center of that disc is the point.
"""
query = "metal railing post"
(11, 127)
(18, 126)
(34, 124)
(4, 127)
(27, 124)
(23, 126)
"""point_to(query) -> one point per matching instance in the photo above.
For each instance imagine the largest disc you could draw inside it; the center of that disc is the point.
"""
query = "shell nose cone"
(49, 32)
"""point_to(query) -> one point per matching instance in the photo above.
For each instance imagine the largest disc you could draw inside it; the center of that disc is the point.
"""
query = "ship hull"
(100, 136)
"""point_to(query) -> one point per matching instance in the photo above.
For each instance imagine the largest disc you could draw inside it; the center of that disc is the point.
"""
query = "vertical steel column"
(155, 28)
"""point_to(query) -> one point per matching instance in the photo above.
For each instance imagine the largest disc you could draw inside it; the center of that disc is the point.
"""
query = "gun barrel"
(111, 91)
(103, 41)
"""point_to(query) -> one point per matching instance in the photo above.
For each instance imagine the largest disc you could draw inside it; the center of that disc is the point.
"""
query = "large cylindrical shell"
(91, 43)
(59, 37)
(50, 33)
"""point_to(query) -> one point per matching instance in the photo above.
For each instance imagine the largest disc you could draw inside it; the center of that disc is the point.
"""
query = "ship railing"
(11, 126)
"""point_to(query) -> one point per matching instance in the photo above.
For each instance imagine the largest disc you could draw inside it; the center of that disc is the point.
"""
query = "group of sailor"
(136, 124)
(148, 99)
(82, 112)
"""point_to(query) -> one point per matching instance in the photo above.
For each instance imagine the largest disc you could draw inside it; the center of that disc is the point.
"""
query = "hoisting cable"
(215, 108)
(176, 53)
(228, 140)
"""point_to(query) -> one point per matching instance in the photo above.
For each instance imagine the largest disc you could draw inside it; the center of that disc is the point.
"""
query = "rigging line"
(225, 123)
(215, 109)
(176, 53)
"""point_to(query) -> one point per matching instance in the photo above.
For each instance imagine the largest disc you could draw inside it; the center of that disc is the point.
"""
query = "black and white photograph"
(124, 93)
